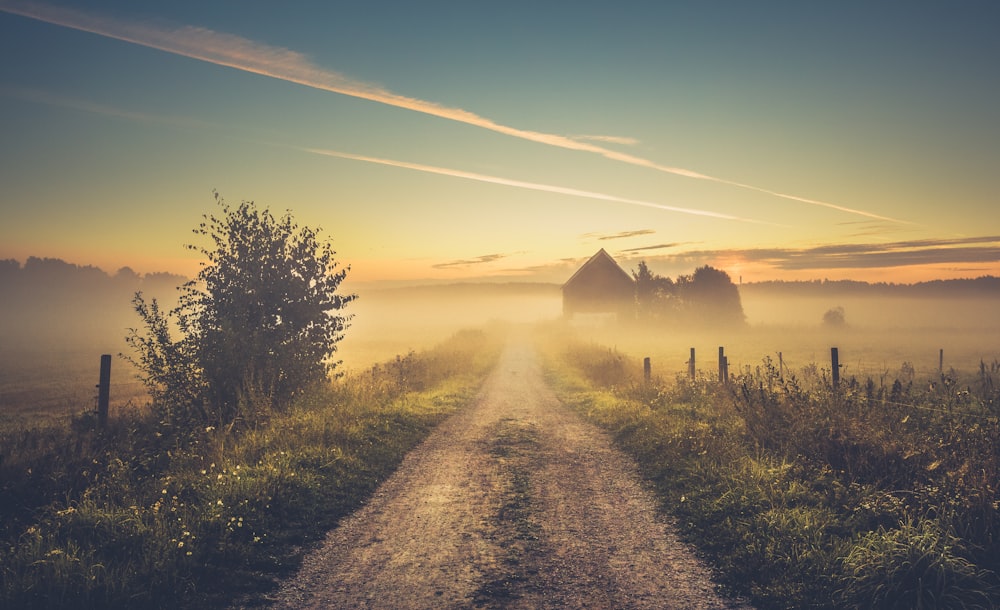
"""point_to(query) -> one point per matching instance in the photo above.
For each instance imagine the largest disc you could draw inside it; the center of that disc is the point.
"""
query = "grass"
(878, 493)
(126, 517)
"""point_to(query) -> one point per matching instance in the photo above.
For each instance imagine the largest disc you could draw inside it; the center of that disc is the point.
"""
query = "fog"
(392, 322)
(56, 319)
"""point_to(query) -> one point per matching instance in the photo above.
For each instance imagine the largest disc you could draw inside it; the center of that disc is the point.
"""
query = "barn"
(599, 286)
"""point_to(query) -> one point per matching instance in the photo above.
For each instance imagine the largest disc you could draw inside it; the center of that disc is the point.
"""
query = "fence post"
(647, 371)
(781, 368)
(104, 390)
(941, 361)
(723, 366)
(691, 365)
(835, 365)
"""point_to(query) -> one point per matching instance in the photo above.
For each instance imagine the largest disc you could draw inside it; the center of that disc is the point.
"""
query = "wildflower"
(180, 544)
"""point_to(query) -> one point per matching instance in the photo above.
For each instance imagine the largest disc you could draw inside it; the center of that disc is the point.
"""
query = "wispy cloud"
(621, 140)
(479, 260)
(38, 96)
(43, 97)
(967, 250)
(656, 247)
(276, 62)
(621, 235)
(549, 188)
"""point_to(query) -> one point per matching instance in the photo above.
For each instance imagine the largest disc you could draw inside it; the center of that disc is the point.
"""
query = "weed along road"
(515, 502)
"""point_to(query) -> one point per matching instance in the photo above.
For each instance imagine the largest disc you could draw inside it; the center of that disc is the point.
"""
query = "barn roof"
(600, 260)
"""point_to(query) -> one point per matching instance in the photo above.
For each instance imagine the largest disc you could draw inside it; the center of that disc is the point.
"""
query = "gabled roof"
(599, 260)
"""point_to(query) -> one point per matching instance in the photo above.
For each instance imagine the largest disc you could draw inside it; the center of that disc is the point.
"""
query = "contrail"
(276, 62)
(534, 186)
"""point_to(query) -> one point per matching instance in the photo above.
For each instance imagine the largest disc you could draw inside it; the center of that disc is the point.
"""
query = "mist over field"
(57, 318)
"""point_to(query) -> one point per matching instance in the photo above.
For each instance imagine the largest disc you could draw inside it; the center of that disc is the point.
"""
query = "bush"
(259, 324)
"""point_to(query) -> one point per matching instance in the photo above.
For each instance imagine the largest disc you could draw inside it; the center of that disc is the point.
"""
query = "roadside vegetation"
(128, 517)
(875, 493)
(252, 447)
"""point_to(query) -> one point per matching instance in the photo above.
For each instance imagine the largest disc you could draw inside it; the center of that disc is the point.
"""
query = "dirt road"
(513, 503)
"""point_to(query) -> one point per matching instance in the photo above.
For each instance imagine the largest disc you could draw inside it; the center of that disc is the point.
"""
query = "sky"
(509, 141)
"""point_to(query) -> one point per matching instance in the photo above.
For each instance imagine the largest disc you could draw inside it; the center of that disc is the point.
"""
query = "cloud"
(622, 140)
(621, 235)
(656, 247)
(42, 97)
(549, 188)
(479, 260)
(276, 62)
(966, 250)
(38, 96)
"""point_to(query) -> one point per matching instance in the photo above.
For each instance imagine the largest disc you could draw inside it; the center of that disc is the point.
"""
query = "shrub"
(258, 325)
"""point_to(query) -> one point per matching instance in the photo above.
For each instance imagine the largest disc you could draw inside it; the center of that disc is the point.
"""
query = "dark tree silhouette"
(259, 324)
(711, 297)
(707, 297)
(655, 297)
(835, 318)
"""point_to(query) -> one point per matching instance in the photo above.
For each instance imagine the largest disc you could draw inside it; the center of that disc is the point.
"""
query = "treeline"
(985, 286)
(48, 300)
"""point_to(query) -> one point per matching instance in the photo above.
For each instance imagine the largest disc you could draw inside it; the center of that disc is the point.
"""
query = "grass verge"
(123, 518)
(804, 495)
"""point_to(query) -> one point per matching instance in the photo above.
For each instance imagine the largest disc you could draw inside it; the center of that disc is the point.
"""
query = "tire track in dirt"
(515, 502)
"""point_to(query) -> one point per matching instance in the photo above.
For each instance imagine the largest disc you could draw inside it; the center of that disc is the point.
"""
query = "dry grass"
(132, 517)
(881, 490)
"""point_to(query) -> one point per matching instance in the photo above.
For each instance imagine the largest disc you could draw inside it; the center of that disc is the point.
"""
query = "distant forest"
(986, 286)
(48, 301)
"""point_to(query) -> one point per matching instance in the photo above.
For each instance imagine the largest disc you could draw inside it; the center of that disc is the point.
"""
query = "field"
(48, 378)
(879, 493)
(133, 516)
(53, 378)
(796, 491)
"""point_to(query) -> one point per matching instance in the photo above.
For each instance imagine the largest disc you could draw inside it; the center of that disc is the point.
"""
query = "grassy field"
(881, 492)
(125, 518)
(864, 351)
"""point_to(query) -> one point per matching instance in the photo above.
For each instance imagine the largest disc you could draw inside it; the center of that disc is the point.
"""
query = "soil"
(515, 502)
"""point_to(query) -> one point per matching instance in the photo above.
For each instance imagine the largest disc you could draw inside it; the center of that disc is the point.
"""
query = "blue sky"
(452, 141)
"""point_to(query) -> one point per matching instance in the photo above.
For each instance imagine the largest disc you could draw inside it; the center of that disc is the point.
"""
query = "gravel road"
(515, 502)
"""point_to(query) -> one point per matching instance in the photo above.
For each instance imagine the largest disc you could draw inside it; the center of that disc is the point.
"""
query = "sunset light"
(727, 134)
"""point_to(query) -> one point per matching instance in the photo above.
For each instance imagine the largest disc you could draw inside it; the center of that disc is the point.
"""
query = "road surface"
(515, 502)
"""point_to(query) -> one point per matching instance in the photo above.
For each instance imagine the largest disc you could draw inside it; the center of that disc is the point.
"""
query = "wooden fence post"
(723, 366)
(781, 368)
(691, 365)
(647, 371)
(835, 365)
(941, 361)
(104, 391)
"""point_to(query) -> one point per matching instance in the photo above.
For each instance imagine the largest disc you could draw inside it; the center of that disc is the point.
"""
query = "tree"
(835, 318)
(654, 294)
(259, 324)
(711, 297)
(707, 297)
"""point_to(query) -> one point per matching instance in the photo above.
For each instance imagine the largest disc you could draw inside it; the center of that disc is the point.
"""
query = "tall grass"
(875, 493)
(131, 516)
